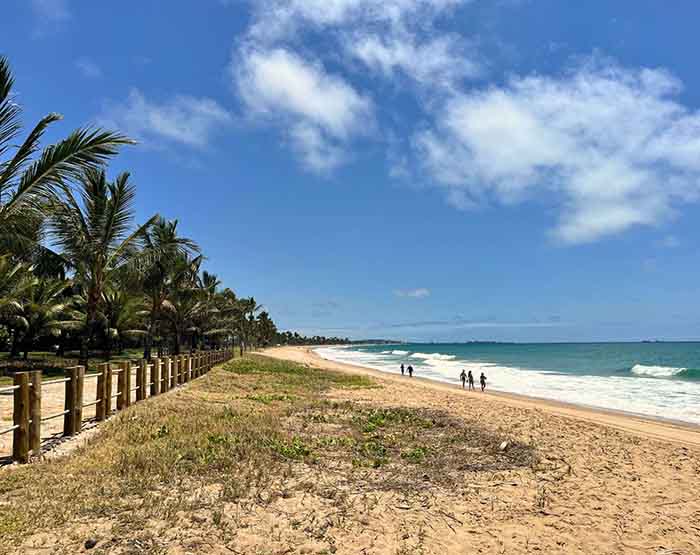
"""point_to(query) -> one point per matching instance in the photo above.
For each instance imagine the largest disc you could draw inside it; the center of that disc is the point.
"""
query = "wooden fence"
(154, 378)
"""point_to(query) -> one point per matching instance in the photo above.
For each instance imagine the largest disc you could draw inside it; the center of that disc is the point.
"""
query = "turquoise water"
(653, 379)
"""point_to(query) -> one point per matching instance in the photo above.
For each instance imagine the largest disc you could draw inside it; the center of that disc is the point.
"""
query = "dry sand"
(606, 483)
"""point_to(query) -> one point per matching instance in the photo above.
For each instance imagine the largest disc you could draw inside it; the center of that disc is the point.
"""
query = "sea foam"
(433, 356)
(657, 371)
(630, 393)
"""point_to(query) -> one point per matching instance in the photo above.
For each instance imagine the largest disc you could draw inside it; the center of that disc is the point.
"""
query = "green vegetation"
(77, 273)
(216, 443)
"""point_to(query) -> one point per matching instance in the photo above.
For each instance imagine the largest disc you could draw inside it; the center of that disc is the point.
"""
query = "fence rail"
(159, 376)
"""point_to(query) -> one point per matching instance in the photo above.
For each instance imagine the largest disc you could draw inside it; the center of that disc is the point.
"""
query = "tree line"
(78, 273)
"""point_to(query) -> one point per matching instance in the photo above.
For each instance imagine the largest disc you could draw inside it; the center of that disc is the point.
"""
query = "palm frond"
(83, 149)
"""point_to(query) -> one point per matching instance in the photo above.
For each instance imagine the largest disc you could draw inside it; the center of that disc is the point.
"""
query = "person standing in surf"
(403, 370)
(410, 371)
(482, 379)
(463, 378)
(470, 379)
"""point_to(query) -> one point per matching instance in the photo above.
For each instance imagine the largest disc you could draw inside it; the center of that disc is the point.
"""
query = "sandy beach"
(605, 483)
(263, 456)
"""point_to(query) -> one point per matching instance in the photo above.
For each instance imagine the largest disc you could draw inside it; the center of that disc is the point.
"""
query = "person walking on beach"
(402, 369)
(410, 371)
(463, 377)
(482, 379)
(470, 379)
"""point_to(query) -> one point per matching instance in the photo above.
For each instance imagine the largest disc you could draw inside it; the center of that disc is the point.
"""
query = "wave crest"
(433, 356)
(657, 371)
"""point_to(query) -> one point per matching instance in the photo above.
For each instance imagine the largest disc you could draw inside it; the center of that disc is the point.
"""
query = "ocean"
(660, 380)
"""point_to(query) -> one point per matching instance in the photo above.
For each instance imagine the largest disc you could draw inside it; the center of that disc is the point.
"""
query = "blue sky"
(521, 170)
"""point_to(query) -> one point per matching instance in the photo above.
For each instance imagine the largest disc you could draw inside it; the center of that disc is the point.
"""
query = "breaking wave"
(660, 371)
(433, 356)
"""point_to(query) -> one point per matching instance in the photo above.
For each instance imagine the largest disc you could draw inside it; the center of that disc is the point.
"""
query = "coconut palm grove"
(79, 275)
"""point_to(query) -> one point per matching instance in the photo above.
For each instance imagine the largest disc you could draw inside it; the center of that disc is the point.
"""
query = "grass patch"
(238, 435)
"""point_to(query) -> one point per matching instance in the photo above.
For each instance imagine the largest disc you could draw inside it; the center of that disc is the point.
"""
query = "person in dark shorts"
(470, 379)
(482, 379)
(410, 371)
(403, 369)
(463, 378)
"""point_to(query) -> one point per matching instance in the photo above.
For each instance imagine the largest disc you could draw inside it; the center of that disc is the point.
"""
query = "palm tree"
(124, 318)
(16, 280)
(45, 312)
(250, 309)
(93, 232)
(163, 248)
(185, 304)
(266, 328)
(26, 180)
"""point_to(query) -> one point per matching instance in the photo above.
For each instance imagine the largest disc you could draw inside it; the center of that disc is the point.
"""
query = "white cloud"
(276, 19)
(420, 293)
(322, 110)
(611, 146)
(183, 119)
(319, 153)
(88, 68)
(50, 15)
(440, 61)
(51, 10)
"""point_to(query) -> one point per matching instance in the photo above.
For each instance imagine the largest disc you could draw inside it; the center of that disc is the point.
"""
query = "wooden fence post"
(79, 386)
(100, 393)
(155, 377)
(20, 418)
(141, 380)
(127, 368)
(171, 373)
(35, 413)
(121, 388)
(164, 375)
(109, 378)
(69, 403)
(188, 368)
(178, 366)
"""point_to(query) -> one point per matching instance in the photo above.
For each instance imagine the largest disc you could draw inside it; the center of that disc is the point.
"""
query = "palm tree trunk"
(148, 342)
(178, 339)
(93, 298)
(84, 349)
(14, 351)
(61, 345)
